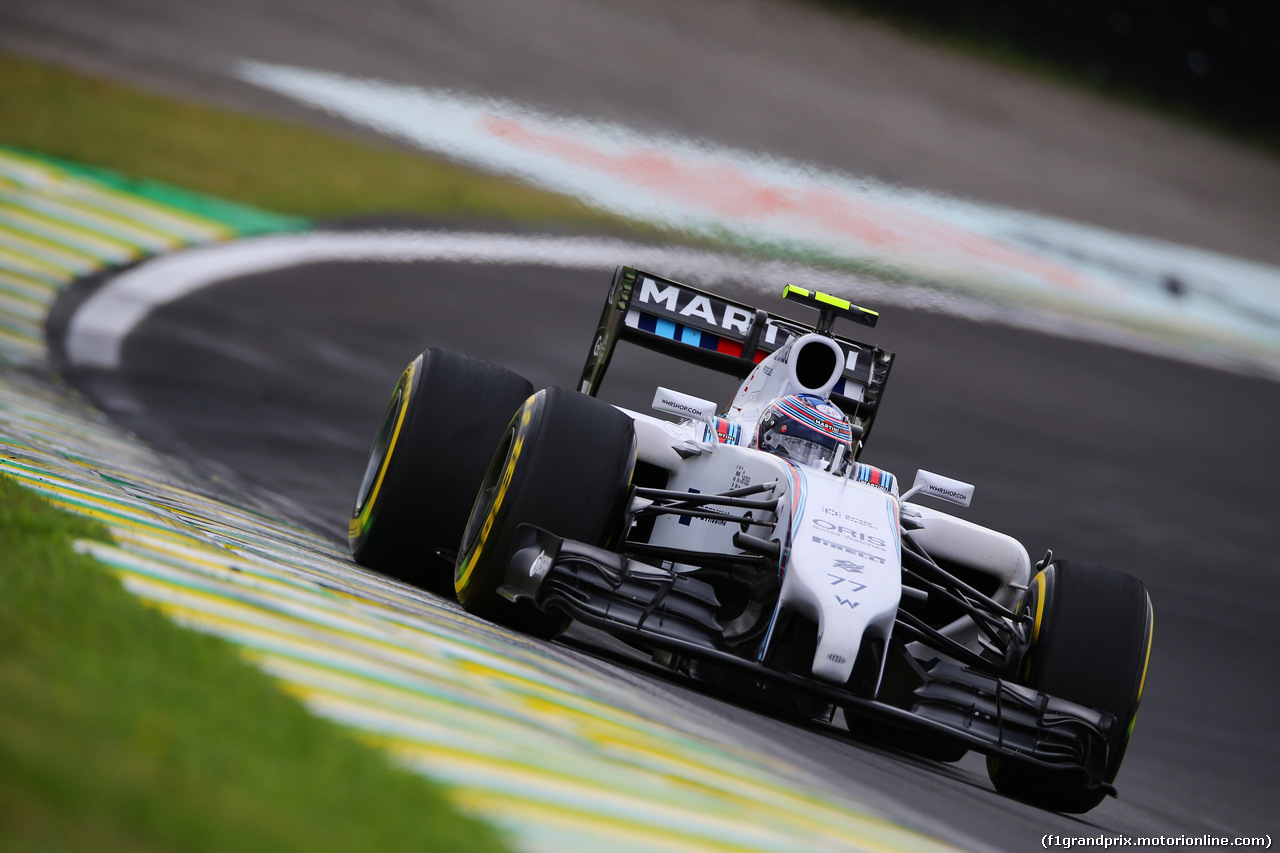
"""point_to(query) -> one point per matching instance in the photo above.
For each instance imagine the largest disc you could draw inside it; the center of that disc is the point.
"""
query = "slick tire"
(564, 464)
(428, 458)
(1091, 642)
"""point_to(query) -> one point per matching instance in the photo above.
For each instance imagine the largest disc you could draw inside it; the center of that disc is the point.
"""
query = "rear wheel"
(564, 464)
(429, 455)
(1091, 640)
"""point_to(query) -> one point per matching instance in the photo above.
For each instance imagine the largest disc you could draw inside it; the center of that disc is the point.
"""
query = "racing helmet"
(807, 430)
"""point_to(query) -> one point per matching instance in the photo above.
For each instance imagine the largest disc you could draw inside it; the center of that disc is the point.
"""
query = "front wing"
(651, 607)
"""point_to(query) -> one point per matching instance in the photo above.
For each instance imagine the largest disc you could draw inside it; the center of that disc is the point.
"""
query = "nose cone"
(844, 569)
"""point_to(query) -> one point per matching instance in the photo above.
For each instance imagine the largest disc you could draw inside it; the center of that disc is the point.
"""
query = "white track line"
(101, 324)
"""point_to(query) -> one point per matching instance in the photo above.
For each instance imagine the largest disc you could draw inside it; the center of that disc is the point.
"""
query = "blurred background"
(1213, 60)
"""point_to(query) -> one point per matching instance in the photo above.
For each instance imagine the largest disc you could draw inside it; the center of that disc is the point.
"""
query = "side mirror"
(943, 488)
(684, 405)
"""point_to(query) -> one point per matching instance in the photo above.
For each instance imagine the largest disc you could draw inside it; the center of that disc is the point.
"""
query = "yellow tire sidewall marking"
(360, 523)
(517, 445)
(1037, 588)
(1041, 587)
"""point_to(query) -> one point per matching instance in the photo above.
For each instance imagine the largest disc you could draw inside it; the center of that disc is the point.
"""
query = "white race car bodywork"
(840, 541)
(749, 550)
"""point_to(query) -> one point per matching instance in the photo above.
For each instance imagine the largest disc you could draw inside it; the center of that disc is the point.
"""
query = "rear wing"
(708, 330)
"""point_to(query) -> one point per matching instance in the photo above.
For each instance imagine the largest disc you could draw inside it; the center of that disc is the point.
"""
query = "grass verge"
(272, 164)
(120, 731)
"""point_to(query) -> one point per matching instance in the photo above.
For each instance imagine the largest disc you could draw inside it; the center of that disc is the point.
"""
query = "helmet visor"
(802, 451)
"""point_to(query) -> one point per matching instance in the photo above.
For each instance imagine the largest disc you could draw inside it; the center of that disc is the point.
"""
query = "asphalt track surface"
(1158, 467)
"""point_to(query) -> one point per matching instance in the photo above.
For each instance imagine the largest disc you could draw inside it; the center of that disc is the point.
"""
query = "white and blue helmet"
(807, 430)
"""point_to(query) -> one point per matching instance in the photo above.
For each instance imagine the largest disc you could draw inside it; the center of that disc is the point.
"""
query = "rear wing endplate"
(708, 330)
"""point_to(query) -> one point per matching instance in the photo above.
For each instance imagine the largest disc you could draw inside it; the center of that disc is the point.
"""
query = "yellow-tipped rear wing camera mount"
(830, 308)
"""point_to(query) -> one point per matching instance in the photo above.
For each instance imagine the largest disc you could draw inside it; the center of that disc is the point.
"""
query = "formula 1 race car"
(750, 549)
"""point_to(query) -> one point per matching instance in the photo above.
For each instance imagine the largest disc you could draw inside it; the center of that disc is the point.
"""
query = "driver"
(807, 430)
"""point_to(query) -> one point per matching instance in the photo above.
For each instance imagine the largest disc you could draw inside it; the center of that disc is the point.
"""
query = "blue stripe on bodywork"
(686, 520)
(799, 489)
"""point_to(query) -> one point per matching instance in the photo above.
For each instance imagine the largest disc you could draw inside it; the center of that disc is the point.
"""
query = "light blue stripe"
(665, 328)
(690, 336)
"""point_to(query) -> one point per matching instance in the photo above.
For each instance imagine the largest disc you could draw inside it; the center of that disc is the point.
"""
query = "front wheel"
(564, 464)
(427, 460)
(1090, 644)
